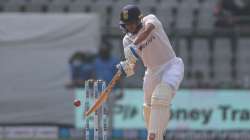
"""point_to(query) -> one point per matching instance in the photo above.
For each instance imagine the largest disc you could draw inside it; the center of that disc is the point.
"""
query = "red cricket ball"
(77, 103)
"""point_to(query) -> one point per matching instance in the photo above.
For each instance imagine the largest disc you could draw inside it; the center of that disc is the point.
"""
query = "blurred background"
(48, 48)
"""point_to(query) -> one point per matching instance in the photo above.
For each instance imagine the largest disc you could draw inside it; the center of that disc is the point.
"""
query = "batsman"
(146, 39)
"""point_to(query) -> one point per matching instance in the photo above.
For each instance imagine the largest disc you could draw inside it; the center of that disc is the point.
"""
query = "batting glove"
(126, 67)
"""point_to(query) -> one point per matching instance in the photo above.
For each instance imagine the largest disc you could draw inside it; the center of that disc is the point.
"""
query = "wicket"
(100, 119)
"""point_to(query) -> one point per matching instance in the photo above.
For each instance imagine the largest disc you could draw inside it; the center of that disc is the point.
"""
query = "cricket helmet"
(130, 13)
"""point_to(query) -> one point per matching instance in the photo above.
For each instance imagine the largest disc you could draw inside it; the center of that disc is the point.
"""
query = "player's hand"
(126, 67)
(130, 53)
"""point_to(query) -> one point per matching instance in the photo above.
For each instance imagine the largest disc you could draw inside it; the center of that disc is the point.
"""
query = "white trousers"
(170, 73)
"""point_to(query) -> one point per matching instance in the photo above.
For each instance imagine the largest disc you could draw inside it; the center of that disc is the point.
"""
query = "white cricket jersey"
(156, 49)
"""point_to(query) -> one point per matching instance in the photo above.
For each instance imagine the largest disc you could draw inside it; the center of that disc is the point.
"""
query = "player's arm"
(144, 33)
(131, 51)
(131, 56)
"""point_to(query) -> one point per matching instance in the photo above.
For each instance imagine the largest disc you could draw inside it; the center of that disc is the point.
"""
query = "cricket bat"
(104, 94)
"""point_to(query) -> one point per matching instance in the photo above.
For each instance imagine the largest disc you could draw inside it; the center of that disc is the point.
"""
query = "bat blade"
(98, 103)
(104, 95)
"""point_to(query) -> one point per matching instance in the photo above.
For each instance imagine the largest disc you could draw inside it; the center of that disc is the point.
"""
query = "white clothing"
(170, 73)
(158, 57)
(156, 49)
